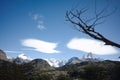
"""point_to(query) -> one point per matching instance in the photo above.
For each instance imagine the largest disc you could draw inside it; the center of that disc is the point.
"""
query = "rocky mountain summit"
(3, 55)
(86, 58)
(74, 60)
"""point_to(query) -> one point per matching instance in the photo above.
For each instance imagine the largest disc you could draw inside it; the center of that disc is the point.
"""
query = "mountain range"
(22, 58)
(39, 69)
(87, 68)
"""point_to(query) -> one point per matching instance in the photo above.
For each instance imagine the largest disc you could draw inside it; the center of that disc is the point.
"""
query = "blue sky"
(38, 28)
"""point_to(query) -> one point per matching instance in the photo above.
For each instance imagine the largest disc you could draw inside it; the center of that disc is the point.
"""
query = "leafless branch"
(82, 26)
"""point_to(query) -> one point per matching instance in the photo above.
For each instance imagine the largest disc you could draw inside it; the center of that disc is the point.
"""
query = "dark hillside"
(39, 69)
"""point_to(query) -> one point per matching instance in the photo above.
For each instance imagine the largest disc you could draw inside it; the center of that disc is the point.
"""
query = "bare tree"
(87, 26)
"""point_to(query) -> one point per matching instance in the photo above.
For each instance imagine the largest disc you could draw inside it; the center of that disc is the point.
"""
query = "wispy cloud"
(36, 16)
(89, 45)
(41, 25)
(40, 45)
(38, 19)
(11, 51)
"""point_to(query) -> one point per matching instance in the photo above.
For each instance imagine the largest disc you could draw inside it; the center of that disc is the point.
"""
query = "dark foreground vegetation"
(40, 70)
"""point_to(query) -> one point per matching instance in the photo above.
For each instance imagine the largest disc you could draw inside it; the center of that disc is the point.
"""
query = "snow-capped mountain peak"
(22, 58)
(55, 63)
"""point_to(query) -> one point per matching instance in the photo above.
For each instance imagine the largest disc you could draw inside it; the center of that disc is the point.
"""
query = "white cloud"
(89, 45)
(38, 19)
(41, 46)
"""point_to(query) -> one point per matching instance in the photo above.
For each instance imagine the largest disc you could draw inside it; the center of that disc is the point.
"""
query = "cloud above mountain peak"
(90, 45)
(40, 45)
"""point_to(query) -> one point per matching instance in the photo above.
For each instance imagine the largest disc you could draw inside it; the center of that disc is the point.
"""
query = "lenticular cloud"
(40, 45)
(89, 45)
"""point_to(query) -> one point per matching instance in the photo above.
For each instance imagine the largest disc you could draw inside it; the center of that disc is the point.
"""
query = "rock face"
(3, 55)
